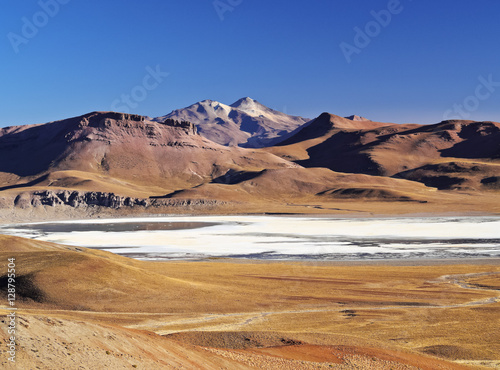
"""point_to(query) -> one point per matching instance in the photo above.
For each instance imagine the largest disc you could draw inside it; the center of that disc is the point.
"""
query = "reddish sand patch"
(337, 354)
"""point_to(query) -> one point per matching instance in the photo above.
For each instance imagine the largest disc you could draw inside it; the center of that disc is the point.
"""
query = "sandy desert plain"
(83, 308)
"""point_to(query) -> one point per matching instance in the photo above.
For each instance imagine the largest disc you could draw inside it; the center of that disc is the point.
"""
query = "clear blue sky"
(59, 63)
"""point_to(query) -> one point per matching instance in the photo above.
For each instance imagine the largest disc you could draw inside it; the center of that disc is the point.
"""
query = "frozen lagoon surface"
(276, 237)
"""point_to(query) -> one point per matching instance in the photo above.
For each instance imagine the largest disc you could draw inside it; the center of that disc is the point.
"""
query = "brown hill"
(283, 185)
(399, 150)
(118, 152)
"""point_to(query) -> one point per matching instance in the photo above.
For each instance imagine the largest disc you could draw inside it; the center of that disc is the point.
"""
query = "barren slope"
(116, 152)
(431, 154)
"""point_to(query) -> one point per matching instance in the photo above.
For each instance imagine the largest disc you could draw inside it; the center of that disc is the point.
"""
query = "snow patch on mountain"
(245, 123)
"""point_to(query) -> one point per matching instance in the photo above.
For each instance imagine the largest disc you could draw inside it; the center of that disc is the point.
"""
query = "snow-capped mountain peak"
(246, 122)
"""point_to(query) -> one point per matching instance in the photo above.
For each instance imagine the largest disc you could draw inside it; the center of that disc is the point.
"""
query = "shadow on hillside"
(25, 185)
(26, 289)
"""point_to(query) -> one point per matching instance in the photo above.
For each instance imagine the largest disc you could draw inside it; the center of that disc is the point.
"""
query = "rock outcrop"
(79, 199)
(188, 127)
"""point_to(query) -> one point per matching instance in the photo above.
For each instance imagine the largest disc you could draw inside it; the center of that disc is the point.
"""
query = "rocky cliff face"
(188, 127)
(78, 199)
(104, 119)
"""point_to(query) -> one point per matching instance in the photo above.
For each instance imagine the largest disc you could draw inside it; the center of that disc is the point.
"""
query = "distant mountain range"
(246, 123)
(108, 159)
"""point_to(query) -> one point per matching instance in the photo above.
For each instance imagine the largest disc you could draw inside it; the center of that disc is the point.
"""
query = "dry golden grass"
(403, 309)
